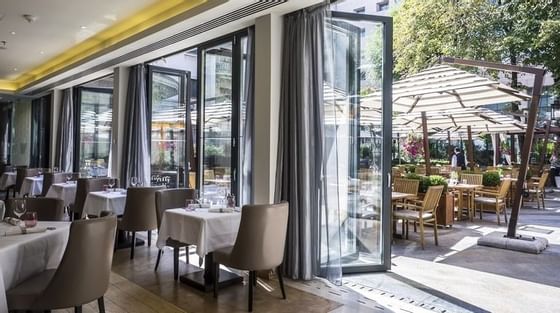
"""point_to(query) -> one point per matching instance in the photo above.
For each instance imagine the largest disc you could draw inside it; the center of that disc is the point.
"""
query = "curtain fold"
(247, 144)
(64, 156)
(301, 134)
(136, 153)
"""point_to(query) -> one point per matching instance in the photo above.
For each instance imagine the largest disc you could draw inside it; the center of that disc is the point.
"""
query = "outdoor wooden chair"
(536, 189)
(494, 198)
(472, 179)
(422, 212)
(404, 185)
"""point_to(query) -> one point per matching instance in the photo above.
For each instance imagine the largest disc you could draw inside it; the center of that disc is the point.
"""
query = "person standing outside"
(458, 159)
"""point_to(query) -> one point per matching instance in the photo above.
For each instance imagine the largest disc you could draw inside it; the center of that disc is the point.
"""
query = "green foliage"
(509, 31)
(427, 181)
(213, 150)
(365, 152)
(410, 169)
(436, 180)
(491, 179)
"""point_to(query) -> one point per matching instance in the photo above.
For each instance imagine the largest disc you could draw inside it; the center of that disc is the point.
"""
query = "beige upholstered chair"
(47, 209)
(259, 244)
(422, 212)
(536, 189)
(139, 213)
(83, 187)
(172, 199)
(81, 277)
(494, 198)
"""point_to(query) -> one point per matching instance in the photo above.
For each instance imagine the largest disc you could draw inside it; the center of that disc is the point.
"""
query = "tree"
(511, 31)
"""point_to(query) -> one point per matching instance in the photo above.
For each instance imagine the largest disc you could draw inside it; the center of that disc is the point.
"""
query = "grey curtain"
(247, 144)
(300, 146)
(64, 156)
(136, 154)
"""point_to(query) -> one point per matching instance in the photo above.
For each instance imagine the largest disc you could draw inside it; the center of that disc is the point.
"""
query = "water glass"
(190, 204)
(68, 178)
(111, 183)
(133, 181)
(464, 181)
(19, 207)
(30, 219)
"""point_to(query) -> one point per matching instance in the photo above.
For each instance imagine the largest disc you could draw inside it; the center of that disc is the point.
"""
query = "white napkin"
(12, 221)
(23, 231)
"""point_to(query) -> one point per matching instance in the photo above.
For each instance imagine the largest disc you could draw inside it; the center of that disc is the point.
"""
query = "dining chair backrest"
(47, 209)
(85, 186)
(262, 236)
(515, 172)
(83, 274)
(172, 198)
(431, 199)
(504, 188)
(543, 179)
(472, 179)
(435, 170)
(404, 185)
(140, 209)
(23, 172)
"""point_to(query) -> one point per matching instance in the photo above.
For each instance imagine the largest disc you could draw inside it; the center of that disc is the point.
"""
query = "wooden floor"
(136, 288)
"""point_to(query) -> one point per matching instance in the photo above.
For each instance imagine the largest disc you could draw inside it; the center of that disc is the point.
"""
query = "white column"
(56, 105)
(268, 60)
(120, 83)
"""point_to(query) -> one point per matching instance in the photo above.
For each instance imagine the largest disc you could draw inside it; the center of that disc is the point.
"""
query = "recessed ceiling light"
(15, 69)
(12, 33)
(83, 27)
(42, 52)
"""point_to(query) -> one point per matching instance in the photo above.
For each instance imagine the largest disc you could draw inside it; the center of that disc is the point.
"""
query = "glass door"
(171, 127)
(218, 121)
(357, 97)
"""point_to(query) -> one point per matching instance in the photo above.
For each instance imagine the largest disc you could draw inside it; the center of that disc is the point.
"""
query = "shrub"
(491, 179)
(436, 180)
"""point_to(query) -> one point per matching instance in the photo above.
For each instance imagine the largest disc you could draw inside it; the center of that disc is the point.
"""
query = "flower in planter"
(413, 147)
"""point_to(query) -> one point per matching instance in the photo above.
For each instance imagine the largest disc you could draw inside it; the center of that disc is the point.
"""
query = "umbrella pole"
(512, 148)
(543, 150)
(426, 144)
(449, 151)
(470, 148)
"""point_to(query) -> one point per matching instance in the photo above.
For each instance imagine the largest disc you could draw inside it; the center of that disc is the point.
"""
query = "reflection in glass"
(353, 145)
(217, 122)
(168, 130)
(95, 131)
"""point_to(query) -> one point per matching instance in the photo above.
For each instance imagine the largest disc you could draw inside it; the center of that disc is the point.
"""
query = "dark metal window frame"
(77, 99)
(387, 79)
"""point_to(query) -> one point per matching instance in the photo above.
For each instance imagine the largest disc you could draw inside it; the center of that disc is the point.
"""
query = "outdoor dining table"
(24, 255)
(468, 191)
(63, 191)
(7, 179)
(32, 186)
(98, 201)
(207, 230)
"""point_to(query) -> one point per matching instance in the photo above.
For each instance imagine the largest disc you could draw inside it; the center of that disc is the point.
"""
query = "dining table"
(25, 255)
(467, 191)
(32, 186)
(63, 191)
(111, 201)
(7, 179)
(208, 229)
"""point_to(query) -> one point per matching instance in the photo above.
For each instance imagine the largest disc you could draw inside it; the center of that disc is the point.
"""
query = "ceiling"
(59, 25)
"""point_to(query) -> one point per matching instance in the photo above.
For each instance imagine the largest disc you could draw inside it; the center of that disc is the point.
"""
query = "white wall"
(268, 60)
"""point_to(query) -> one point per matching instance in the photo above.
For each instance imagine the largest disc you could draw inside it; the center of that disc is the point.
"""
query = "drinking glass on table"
(39, 172)
(55, 169)
(464, 181)
(19, 207)
(190, 204)
(133, 181)
(68, 178)
(111, 183)
(30, 219)
(139, 182)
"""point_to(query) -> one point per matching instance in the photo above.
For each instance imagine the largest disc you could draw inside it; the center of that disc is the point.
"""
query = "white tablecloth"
(208, 231)
(98, 201)
(63, 191)
(22, 256)
(7, 179)
(32, 186)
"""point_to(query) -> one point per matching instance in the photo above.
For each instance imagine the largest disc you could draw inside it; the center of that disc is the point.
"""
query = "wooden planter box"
(445, 214)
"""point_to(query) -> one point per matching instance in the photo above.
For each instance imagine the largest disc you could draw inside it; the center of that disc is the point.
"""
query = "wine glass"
(190, 204)
(19, 207)
(133, 181)
(139, 182)
(68, 178)
(111, 183)
(39, 172)
(55, 169)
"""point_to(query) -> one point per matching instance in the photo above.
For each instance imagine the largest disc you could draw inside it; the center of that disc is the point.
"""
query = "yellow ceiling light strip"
(144, 19)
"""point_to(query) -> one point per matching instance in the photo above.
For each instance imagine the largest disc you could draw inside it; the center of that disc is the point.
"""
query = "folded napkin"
(221, 210)
(23, 231)
(12, 221)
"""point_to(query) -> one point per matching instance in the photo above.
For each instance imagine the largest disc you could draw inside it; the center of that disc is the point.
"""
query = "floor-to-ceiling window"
(95, 106)
(198, 113)
(40, 131)
(357, 77)
(6, 111)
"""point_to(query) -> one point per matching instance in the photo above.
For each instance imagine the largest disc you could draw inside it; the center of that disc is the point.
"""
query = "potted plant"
(491, 179)
(446, 203)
